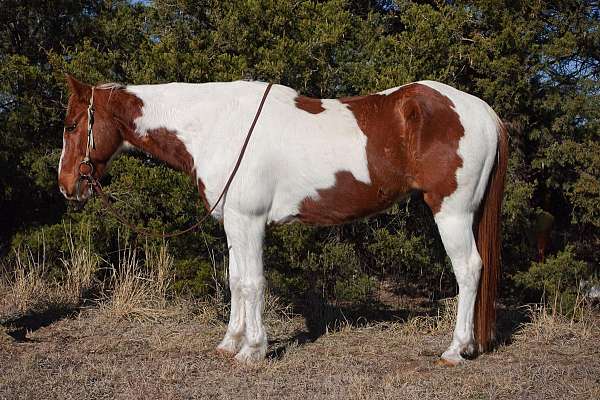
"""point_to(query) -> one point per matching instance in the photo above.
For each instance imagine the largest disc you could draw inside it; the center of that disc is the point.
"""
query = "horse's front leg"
(245, 234)
(234, 336)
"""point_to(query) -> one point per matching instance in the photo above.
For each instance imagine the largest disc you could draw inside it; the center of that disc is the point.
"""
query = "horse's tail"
(489, 247)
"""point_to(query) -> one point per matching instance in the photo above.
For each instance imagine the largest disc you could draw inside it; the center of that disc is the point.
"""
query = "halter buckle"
(86, 168)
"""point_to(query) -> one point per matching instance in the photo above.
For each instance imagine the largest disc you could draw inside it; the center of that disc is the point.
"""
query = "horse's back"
(423, 136)
(328, 161)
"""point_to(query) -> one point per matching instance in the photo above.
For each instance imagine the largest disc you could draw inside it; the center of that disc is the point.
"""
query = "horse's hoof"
(224, 353)
(251, 355)
(443, 362)
(228, 347)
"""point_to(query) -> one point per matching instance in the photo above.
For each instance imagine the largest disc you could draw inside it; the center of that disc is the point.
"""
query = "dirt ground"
(92, 356)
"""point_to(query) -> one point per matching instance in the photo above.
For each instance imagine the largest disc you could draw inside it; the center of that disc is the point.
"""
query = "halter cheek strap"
(86, 167)
(90, 124)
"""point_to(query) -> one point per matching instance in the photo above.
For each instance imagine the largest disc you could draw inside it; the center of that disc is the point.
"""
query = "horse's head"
(74, 167)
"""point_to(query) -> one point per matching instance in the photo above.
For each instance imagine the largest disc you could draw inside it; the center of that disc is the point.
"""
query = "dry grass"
(443, 321)
(80, 265)
(139, 344)
(138, 289)
(27, 290)
(24, 287)
(547, 324)
(173, 358)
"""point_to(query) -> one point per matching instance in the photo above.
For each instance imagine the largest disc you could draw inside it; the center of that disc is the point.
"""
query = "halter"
(86, 167)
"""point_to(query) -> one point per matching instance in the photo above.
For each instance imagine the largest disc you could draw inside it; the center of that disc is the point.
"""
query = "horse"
(313, 161)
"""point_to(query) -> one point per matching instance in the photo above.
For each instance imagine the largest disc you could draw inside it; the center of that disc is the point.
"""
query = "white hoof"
(450, 358)
(229, 345)
(251, 354)
(456, 353)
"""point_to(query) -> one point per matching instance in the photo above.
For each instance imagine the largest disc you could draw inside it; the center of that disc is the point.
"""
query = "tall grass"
(23, 286)
(138, 287)
(27, 287)
(80, 265)
(547, 322)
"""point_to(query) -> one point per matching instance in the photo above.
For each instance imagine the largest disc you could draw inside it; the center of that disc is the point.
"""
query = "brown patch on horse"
(347, 199)
(412, 142)
(308, 104)
(165, 146)
(161, 143)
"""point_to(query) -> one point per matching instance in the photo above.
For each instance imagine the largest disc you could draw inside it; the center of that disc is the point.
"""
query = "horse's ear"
(79, 89)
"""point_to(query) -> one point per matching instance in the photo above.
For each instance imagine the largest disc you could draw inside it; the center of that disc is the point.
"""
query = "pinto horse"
(316, 161)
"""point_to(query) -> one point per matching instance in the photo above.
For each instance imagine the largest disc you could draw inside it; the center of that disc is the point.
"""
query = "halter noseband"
(86, 167)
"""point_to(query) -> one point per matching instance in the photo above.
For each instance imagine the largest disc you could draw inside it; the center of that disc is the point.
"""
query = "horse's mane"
(111, 85)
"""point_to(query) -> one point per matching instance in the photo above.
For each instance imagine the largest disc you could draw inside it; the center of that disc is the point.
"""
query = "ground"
(92, 355)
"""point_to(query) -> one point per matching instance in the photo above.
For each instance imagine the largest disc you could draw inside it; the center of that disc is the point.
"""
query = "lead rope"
(148, 232)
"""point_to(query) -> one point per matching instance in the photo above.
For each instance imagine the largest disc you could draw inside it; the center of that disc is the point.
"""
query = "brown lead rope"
(148, 232)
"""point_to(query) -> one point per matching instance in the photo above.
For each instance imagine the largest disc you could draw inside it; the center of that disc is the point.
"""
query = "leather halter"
(86, 170)
(86, 167)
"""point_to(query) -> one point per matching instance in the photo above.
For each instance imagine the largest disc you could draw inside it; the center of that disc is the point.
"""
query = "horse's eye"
(70, 128)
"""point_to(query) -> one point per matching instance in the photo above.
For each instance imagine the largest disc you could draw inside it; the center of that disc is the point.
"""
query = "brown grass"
(139, 344)
(81, 264)
(91, 356)
(24, 287)
(548, 325)
(27, 290)
(138, 290)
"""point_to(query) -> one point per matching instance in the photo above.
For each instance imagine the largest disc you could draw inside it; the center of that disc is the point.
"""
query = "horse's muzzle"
(84, 187)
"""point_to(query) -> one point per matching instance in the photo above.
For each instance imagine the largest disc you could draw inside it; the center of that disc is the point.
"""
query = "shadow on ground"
(19, 326)
(322, 317)
(508, 322)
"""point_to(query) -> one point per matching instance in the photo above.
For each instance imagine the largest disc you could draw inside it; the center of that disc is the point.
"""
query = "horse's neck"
(178, 122)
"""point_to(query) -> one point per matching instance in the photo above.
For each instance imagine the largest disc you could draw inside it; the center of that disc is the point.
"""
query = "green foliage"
(407, 254)
(305, 260)
(194, 277)
(535, 63)
(558, 277)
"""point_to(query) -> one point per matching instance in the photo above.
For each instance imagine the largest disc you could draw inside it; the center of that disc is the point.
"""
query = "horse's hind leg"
(245, 235)
(235, 330)
(456, 231)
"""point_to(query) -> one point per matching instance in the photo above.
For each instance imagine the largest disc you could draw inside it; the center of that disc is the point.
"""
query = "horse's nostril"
(63, 190)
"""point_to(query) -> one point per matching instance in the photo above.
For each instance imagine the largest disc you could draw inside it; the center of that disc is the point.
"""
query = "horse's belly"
(346, 199)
